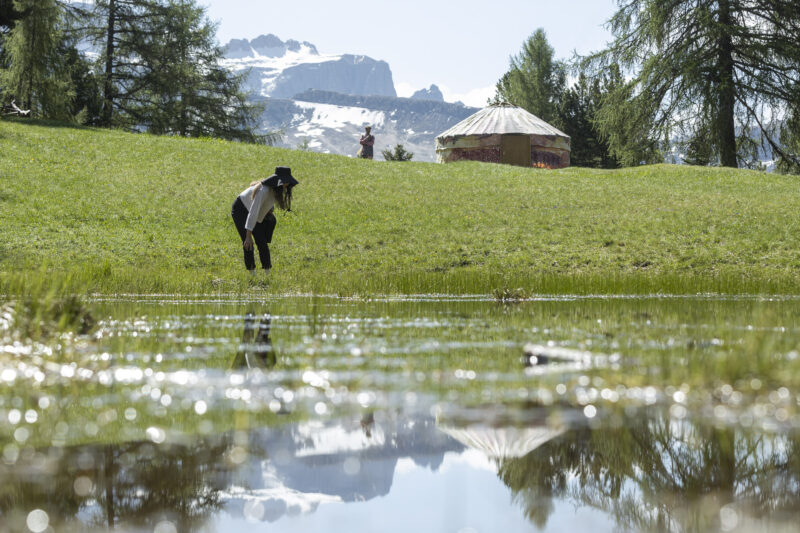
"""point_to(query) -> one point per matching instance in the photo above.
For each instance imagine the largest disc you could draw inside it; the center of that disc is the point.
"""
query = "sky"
(463, 46)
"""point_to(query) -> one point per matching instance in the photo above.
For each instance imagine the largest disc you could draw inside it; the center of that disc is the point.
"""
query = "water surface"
(430, 413)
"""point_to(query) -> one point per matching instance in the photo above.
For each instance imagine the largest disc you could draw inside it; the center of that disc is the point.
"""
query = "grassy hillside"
(116, 212)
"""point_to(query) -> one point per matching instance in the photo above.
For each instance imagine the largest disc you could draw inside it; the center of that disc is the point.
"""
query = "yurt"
(504, 133)
(503, 442)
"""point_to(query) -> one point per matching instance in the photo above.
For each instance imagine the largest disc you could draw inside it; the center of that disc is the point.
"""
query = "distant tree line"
(141, 65)
(722, 77)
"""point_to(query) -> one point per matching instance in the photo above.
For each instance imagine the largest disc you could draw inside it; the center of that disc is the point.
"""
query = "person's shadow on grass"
(255, 351)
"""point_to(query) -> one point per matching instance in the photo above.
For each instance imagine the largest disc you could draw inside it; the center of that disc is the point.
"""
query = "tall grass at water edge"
(110, 212)
(41, 309)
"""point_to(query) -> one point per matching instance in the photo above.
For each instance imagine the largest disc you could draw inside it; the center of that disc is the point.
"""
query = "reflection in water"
(131, 486)
(256, 350)
(501, 443)
(367, 422)
(594, 362)
(323, 462)
(263, 475)
(659, 474)
(655, 475)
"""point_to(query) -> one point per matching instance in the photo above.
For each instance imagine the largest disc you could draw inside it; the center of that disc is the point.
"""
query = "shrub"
(399, 154)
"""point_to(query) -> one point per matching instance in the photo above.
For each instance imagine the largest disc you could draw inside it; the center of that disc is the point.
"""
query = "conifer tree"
(88, 101)
(399, 154)
(160, 71)
(700, 148)
(8, 15)
(188, 92)
(534, 80)
(36, 75)
(579, 105)
(732, 64)
(790, 140)
(122, 31)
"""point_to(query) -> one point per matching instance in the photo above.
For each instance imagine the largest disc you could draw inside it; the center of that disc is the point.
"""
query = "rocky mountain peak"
(267, 41)
(433, 93)
(268, 45)
(296, 46)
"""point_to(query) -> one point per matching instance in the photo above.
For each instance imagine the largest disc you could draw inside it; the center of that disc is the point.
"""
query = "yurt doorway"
(515, 150)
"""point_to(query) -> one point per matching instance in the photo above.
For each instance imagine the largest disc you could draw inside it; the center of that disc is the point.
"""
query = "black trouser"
(262, 235)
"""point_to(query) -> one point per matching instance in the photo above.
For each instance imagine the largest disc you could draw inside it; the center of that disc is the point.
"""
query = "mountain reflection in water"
(656, 474)
(295, 468)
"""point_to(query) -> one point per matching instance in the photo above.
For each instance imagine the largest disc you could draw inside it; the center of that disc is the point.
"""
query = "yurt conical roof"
(508, 442)
(502, 118)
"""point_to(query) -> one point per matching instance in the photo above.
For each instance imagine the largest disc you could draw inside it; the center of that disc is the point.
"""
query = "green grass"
(114, 212)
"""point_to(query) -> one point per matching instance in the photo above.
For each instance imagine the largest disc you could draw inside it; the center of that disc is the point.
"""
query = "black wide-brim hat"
(282, 176)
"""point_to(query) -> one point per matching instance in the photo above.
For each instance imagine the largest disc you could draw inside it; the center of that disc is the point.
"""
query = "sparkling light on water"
(37, 521)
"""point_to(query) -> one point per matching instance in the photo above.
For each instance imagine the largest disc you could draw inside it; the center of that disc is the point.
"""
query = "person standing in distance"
(367, 141)
(252, 213)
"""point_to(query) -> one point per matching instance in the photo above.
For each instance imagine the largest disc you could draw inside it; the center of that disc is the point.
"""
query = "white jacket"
(258, 206)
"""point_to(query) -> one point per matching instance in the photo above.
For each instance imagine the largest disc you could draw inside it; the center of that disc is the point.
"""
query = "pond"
(429, 413)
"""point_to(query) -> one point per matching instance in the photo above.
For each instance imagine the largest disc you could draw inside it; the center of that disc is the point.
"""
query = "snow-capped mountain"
(322, 102)
(282, 69)
(329, 122)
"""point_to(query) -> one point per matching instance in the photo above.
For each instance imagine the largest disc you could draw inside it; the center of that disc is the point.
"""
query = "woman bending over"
(252, 213)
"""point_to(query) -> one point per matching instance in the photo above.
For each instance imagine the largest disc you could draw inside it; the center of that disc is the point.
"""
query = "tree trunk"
(721, 467)
(726, 129)
(31, 58)
(108, 472)
(183, 119)
(108, 85)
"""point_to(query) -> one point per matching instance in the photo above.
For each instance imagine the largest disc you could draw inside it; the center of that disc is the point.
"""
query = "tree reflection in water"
(134, 485)
(663, 475)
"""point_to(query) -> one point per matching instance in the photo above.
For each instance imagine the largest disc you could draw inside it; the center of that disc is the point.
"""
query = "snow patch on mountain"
(330, 122)
(330, 128)
(270, 504)
(339, 117)
(322, 102)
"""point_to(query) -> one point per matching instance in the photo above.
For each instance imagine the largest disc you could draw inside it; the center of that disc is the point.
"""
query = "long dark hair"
(283, 197)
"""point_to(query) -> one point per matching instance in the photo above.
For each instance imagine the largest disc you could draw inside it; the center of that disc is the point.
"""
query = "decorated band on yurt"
(504, 133)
